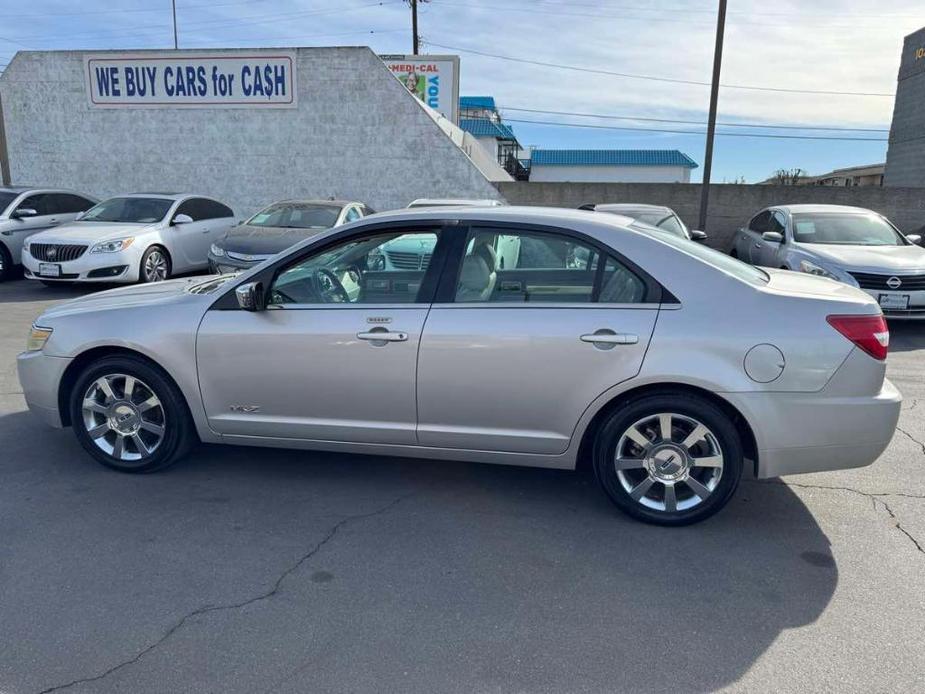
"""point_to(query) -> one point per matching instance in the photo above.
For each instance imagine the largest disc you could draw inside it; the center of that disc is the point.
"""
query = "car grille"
(402, 260)
(56, 252)
(908, 283)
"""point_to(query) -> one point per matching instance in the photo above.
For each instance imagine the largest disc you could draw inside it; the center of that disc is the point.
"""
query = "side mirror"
(182, 219)
(250, 296)
(24, 212)
(698, 236)
(772, 237)
(914, 238)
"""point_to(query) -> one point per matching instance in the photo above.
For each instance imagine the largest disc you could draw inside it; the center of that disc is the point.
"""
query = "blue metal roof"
(487, 102)
(611, 157)
(482, 127)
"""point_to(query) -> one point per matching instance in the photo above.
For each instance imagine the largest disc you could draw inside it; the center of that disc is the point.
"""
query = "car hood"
(88, 232)
(134, 296)
(254, 240)
(883, 259)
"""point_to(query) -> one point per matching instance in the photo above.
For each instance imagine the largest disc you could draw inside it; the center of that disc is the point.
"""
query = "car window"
(352, 215)
(296, 215)
(672, 225)
(39, 202)
(212, 209)
(129, 210)
(845, 228)
(67, 203)
(191, 208)
(720, 261)
(538, 267)
(385, 268)
(776, 223)
(760, 222)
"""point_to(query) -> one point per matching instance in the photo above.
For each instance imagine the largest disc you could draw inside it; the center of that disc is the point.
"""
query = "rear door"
(19, 229)
(193, 238)
(512, 356)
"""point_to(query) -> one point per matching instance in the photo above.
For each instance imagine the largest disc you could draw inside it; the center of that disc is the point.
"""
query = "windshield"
(721, 261)
(296, 215)
(6, 199)
(129, 210)
(845, 229)
(666, 222)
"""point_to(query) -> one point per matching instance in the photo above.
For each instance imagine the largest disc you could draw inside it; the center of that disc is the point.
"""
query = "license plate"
(49, 270)
(894, 302)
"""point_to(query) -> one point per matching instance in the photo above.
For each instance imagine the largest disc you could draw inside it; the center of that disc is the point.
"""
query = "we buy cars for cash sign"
(160, 80)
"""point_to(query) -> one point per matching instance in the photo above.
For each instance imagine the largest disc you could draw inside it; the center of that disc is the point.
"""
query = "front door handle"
(757, 245)
(383, 336)
(608, 337)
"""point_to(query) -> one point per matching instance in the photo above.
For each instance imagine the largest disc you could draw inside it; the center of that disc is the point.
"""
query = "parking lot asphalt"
(249, 570)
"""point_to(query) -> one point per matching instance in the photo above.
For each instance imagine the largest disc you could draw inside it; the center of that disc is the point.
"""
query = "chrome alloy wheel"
(668, 462)
(155, 266)
(123, 417)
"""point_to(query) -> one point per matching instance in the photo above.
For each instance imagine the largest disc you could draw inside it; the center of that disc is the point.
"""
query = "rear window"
(721, 261)
(6, 199)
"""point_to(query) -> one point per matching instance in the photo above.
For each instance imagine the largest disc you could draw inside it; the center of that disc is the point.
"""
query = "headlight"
(112, 246)
(217, 251)
(37, 338)
(25, 246)
(814, 269)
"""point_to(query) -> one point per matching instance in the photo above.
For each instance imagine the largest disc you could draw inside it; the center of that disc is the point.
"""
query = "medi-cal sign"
(262, 79)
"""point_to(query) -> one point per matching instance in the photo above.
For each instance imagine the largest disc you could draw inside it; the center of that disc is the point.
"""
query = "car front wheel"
(669, 458)
(130, 416)
(155, 265)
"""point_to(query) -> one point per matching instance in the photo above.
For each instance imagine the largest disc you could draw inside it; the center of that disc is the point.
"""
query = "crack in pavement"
(874, 497)
(208, 609)
(914, 401)
(903, 431)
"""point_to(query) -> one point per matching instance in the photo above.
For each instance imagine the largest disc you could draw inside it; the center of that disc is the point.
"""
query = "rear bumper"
(40, 376)
(815, 432)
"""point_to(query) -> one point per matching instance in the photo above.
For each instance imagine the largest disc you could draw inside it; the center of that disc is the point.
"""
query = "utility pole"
(174, 5)
(711, 125)
(414, 25)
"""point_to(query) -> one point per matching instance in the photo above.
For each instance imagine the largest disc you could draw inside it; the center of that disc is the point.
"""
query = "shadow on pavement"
(390, 575)
(907, 336)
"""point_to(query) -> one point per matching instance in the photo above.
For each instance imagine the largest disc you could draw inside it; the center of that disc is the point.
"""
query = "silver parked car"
(143, 237)
(849, 244)
(25, 211)
(620, 357)
(277, 227)
(659, 216)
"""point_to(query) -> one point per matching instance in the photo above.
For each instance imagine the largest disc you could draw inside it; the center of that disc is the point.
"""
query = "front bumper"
(90, 267)
(40, 376)
(225, 264)
(915, 311)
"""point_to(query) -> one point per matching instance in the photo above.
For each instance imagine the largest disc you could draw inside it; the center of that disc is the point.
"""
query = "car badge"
(894, 283)
(51, 252)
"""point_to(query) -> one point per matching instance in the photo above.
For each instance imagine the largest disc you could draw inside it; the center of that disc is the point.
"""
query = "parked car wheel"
(669, 459)
(734, 253)
(130, 416)
(6, 264)
(155, 265)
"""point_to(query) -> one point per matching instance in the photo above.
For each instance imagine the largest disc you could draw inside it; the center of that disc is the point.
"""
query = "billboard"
(434, 79)
(258, 79)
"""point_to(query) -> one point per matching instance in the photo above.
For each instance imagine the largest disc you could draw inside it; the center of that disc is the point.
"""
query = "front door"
(333, 357)
(756, 227)
(769, 253)
(512, 361)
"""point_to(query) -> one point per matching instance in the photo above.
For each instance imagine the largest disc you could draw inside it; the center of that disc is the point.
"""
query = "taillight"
(867, 332)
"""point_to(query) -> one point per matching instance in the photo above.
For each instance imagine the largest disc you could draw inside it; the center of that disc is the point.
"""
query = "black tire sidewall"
(6, 272)
(681, 403)
(144, 257)
(179, 435)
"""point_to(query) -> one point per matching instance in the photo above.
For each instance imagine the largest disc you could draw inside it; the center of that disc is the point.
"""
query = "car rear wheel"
(130, 416)
(155, 265)
(669, 459)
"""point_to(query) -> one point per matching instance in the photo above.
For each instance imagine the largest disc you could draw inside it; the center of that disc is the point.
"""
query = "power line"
(698, 132)
(696, 122)
(653, 78)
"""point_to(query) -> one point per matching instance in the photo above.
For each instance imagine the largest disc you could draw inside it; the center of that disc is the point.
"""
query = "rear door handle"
(383, 336)
(610, 338)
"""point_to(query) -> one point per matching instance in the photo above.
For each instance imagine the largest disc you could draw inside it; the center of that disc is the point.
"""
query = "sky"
(819, 46)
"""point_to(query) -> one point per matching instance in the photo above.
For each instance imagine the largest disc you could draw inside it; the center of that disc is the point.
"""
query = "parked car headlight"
(25, 246)
(814, 269)
(112, 246)
(38, 336)
(217, 251)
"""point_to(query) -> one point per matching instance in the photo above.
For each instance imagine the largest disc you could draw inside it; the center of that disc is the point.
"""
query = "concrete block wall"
(357, 133)
(730, 205)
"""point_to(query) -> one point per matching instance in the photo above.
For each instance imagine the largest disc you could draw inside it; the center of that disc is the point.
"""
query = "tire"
(734, 253)
(646, 463)
(155, 265)
(155, 411)
(6, 264)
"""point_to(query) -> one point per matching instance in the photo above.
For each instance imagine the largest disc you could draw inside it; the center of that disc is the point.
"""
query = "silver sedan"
(531, 336)
(849, 244)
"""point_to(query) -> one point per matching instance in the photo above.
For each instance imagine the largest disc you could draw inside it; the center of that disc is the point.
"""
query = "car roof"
(631, 207)
(455, 202)
(310, 201)
(50, 189)
(508, 213)
(165, 196)
(821, 208)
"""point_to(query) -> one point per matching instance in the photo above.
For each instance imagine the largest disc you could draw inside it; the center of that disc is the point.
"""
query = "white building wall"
(356, 133)
(610, 174)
